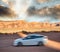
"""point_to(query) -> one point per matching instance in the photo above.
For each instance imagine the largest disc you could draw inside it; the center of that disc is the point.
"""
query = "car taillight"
(45, 37)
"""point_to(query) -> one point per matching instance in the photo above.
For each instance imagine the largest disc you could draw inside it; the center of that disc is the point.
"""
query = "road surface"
(6, 41)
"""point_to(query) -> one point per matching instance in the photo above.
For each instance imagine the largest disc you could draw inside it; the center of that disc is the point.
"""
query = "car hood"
(19, 39)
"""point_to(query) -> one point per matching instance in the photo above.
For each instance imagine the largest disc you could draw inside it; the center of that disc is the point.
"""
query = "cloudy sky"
(33, 10)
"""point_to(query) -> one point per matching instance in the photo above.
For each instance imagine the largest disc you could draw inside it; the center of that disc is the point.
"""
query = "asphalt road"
(6, 41)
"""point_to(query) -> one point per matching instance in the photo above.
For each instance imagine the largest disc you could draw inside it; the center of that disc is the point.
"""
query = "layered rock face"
(19, 26)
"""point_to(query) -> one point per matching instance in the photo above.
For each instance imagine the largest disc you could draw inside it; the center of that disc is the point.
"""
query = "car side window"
(32, 37)
(36, 37)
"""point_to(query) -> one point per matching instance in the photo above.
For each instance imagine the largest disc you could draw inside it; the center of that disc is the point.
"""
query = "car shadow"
(28, 46)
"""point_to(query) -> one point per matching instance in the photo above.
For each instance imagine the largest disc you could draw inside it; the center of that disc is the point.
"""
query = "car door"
(29, 40)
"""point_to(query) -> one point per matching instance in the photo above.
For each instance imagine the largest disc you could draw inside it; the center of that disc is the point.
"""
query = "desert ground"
(6, 41)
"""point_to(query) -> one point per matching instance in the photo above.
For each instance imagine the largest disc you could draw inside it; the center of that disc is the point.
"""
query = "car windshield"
(28, 37)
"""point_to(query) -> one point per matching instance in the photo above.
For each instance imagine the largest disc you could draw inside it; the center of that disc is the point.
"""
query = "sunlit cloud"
(34, 10)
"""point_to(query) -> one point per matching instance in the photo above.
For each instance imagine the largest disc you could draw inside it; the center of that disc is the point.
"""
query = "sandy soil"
(6, 41)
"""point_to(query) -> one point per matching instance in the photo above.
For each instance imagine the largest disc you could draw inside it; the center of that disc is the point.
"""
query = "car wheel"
(19, 44)
(40, 43)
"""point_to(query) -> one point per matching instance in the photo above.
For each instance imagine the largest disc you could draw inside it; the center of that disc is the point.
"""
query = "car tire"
(19, 44)
(40, 43)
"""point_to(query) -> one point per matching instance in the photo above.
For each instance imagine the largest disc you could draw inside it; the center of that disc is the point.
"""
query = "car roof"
(35, 35)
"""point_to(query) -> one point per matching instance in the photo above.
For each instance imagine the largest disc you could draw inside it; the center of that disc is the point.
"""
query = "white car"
(31, 39)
